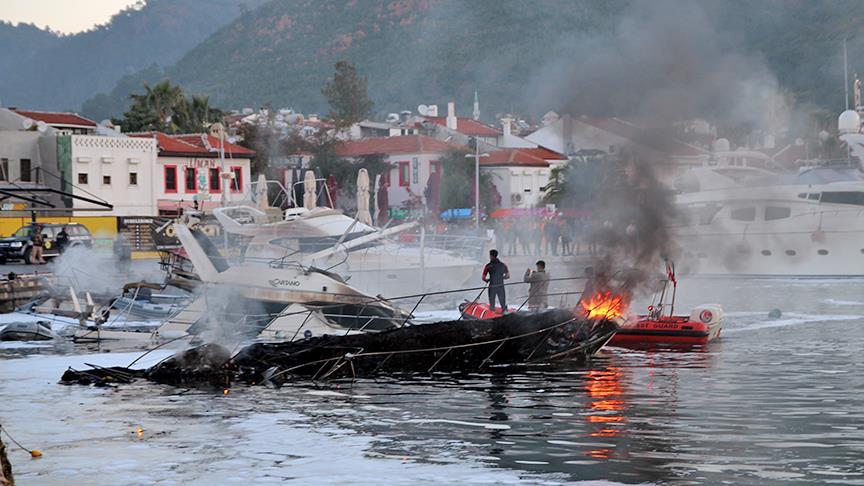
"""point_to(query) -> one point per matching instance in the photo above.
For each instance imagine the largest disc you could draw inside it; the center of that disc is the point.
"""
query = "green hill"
(606, 57)
(43, 70)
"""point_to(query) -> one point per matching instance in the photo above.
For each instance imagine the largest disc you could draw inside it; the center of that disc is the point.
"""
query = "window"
(106, 180)
(214, 180)
(434, 167)
(133, 178)
(766, 252)
(844, 197)
(385, 176)
(4, 169)
(822, 252)
(404, 174)
(82, 178)
(191, 180)
(170, 178)
(743, 214)
(776, 212)
(237, 181)
(791, 252)
(25, 171)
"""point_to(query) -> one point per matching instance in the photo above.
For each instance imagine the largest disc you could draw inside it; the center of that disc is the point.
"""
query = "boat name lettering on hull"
(278, 282)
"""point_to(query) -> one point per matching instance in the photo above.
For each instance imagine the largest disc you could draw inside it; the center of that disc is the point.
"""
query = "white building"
(412, 159)
(519, 176)
(118, 170)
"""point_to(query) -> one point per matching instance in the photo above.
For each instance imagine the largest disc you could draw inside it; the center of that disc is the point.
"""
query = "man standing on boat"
(495, 273)
(538, 289)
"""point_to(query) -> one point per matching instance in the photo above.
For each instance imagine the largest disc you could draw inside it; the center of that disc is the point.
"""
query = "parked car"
(18, 246)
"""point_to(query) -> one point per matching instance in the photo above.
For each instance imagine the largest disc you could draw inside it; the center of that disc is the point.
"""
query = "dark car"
(18, 246)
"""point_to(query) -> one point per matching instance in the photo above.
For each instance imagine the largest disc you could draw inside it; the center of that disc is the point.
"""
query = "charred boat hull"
(454, 346)
(445, 346)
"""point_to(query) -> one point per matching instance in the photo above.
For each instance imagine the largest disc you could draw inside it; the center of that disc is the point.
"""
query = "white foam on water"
(841, 302)
(460, 422)
(792, 319)
(793, 445)
(25, 344)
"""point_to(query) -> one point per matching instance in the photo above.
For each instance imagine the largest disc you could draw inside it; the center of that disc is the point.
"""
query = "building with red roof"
(413, 160)
(69, 123)
(569, 135)
(188, 171)
(520, 175)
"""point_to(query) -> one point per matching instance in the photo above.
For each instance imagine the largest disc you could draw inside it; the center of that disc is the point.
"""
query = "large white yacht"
(809, 223)
(735, 220)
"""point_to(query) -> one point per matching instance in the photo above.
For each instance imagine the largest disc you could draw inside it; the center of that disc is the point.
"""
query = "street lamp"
(476, 156)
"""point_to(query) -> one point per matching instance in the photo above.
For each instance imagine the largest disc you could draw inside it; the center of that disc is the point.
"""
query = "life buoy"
(47, 245)
(706, 316)
(210, 230)
(169, 231)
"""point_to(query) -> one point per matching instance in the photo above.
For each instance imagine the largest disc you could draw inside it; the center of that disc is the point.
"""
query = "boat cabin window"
(813, 196)
(844, 197)
(743, 214)
(777, 212)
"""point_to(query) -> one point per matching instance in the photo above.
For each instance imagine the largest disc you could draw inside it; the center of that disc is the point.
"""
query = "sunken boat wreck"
(452, 346)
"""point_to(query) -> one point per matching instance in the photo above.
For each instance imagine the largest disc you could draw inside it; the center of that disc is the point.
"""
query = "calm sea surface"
(774, 401)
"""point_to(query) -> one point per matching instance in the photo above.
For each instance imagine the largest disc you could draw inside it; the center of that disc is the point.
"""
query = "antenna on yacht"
(845, 75)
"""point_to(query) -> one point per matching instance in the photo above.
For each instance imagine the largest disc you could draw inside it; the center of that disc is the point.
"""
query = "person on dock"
(38, 242)
(538, 290)
(62, 240)
(495, 273)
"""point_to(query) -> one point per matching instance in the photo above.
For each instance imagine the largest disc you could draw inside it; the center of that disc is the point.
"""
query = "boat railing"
(459, 244)
(402, 318)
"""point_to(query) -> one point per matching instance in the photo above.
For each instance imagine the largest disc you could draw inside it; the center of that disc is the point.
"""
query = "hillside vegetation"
(40, 69)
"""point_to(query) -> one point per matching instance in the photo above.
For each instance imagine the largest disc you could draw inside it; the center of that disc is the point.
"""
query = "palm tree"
(195, 114)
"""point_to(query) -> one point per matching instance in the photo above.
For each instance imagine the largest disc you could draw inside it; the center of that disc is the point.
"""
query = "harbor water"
(775, 401)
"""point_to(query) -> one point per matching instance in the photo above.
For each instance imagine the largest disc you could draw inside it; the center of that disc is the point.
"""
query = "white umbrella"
(310, 190)
(261, 193)
(363, 214)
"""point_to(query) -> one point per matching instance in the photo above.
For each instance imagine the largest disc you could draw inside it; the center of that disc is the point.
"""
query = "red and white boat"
(660, 326)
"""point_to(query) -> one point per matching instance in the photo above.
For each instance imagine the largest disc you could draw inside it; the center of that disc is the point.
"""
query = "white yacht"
(370, 259)
(747, 221)
(277, 301)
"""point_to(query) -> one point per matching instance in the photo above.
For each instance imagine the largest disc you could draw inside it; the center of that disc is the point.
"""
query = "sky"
(66, 16)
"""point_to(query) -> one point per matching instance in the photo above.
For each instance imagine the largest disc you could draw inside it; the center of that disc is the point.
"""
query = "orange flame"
(604, 305)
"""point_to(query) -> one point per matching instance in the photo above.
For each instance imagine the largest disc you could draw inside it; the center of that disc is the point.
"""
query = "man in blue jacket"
(495, 273)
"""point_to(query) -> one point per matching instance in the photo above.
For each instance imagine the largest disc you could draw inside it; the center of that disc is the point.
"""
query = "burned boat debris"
(452, 346)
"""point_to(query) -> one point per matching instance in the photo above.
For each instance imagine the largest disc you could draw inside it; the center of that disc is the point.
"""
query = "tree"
(195, 114)
(347, 95)
(576, 184)
(163, 107)
(457, 183)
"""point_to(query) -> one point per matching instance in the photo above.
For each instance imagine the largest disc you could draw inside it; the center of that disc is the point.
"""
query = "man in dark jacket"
(495, 273)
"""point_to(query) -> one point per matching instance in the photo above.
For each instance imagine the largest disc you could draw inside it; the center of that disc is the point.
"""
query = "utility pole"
(476, 155)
